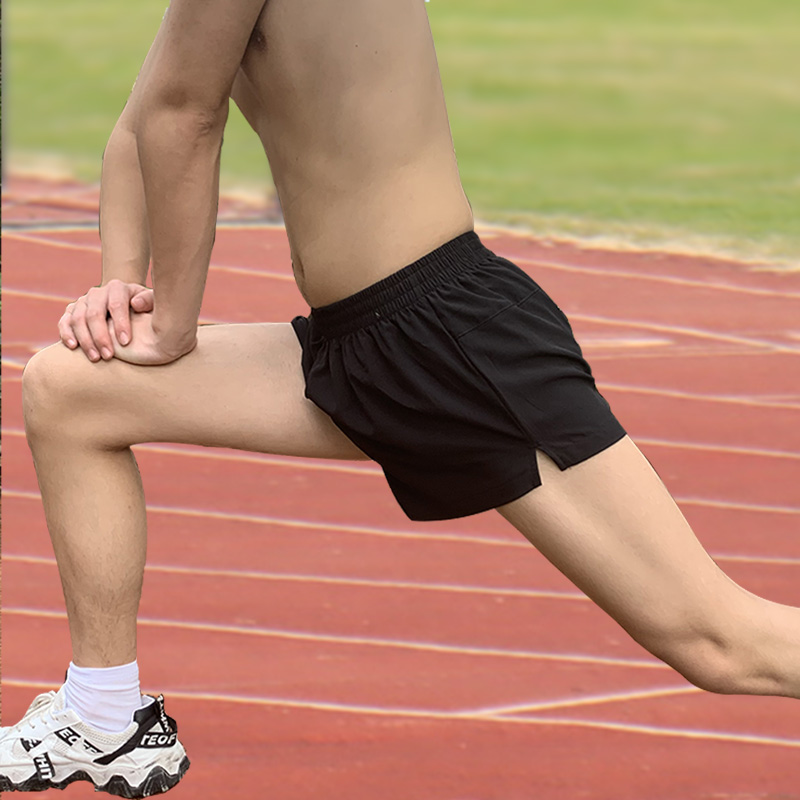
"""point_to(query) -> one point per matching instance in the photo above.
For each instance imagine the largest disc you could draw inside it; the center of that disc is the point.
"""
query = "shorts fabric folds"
(450, 373)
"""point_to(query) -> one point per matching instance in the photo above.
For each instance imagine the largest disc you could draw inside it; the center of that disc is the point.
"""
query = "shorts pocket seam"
(497, 313)
(526, 434)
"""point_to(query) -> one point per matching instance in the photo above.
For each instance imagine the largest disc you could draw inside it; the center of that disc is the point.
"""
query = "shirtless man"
(440, 360)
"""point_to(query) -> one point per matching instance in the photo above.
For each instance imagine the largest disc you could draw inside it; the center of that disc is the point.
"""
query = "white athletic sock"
(105, 698)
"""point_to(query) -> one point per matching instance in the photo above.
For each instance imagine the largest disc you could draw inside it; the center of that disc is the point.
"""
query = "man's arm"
(125, 253)
(123, 216)
(181, 106)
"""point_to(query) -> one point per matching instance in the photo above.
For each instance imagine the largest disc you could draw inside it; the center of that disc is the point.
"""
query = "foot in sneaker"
(52, 747)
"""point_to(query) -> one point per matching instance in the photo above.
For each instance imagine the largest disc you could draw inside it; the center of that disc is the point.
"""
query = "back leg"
(611, 526)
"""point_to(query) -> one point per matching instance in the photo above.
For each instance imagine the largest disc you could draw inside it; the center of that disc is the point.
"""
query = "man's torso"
(347, 100)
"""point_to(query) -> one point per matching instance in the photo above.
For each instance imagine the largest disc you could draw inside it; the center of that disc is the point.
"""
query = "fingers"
(80, 330)
(97, 321)
(118, 303)
(142, 300)
(65, 328)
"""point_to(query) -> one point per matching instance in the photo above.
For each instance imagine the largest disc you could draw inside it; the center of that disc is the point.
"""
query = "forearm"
(123, 217)
(179, 151)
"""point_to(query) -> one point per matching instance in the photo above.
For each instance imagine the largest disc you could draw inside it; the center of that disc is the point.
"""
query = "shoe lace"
(39, 713)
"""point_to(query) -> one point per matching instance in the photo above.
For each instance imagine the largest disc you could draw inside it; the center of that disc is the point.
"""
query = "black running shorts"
(450, 373)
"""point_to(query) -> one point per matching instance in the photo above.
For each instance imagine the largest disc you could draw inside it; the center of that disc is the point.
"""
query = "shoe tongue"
(60, 700)
(148, 714)
(51, 701)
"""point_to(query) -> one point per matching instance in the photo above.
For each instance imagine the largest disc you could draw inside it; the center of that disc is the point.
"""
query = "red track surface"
(312, 642)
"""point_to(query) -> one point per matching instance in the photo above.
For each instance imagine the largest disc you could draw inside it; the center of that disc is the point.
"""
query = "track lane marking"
(686, 331)
(410, 713)
(378, 583)
(602, 271)
(59, 298)
(333, 527)
(674, 280)
(694, 396)
(654, 730)
(360, 641)
(683, 352)
(623, 342)
(334, 580)
(590, 700)
(90, 248)
(768, 560)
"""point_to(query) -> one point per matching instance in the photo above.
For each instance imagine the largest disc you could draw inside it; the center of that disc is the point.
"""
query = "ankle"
(104, 697)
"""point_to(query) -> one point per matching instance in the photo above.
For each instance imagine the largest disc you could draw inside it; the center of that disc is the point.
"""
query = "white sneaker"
(51, 747)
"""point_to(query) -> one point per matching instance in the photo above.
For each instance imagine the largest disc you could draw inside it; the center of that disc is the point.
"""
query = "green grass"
(651, 121)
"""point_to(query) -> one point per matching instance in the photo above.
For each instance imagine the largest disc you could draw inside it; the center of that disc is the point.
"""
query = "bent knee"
(710, 667)
(57, 385)
(711, 659)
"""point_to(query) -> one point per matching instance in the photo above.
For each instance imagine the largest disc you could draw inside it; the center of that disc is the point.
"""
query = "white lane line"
(376, 583)
(694, 396)
(560, 266)
(90, 225)
(456, 716)
(9, 363)
(311, 525)
(776, 561)
(27, 294)
(90, 248)
(590, 700)
(280, 702)
(684, 330)
(334, 580)
(28, 238)
(684, 352)
(732, 449)
(545, 705)
(675, 280)
(623, 342)
(654, 730)
(294, 524)
(360, 641)
(729, 505)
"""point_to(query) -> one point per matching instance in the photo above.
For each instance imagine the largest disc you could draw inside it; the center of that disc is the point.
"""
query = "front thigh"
(241, 387)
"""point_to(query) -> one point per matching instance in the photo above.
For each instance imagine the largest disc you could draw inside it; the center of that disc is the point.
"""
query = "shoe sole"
(157, 782)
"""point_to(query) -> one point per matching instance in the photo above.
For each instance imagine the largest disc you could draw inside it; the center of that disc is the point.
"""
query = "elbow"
(191, 119)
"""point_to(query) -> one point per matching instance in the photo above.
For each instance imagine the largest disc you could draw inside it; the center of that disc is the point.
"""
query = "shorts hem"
(568, 461)
(508, 491)
(499, 495)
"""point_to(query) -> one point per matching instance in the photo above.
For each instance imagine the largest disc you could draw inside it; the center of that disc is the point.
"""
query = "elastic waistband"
(401, 288)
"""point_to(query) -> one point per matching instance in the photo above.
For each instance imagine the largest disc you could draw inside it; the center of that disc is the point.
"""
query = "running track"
(312, 642)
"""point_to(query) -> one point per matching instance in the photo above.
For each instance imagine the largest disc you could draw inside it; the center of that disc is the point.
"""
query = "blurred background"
(653, 122)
